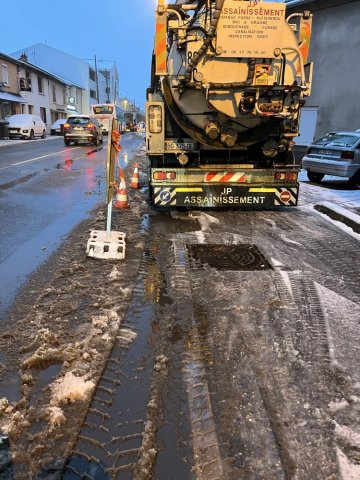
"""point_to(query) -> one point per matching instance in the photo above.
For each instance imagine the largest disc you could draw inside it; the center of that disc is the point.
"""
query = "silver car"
(338, 154)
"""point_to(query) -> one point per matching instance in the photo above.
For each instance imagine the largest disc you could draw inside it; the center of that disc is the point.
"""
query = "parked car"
(57, 128)
(82, 128)
(25, 125)
(338, 154)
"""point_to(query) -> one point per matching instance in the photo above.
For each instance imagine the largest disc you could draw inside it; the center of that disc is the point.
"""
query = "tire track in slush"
(110, 441)
(206, 452)
(290, 385)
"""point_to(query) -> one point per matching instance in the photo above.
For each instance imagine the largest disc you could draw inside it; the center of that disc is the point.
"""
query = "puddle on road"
(15, 269)
(10, 388)
(43, 379)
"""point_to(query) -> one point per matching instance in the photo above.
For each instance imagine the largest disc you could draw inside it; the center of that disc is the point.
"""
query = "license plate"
(78, 128)
(323, 151)
(179, 145)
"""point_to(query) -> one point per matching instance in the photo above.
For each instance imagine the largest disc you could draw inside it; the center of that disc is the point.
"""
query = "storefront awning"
(11, 97)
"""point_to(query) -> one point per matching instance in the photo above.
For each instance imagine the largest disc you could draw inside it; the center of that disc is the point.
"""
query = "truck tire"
(355, 180)
(315, 177)
(67, 142)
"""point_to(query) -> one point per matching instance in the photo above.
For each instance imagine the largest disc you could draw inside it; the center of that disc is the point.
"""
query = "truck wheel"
(315, 177)
(67, 142)
(31, 136)
(355, 180)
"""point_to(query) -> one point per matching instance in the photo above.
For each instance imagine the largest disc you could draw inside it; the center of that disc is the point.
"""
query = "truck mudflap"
(217, 196)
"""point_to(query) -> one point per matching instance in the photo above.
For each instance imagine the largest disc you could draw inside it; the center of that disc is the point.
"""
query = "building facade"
(95, 87)
(26, 88)
(10, 97)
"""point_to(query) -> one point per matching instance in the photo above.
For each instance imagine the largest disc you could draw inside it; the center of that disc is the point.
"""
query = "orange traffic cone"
(135, 179)
(121, 196)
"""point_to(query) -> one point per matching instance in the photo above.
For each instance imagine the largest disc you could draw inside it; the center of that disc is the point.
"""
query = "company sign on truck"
(250, 31)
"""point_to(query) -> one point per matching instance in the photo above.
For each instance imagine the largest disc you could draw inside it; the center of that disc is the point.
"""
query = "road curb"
(12, 142)
(340, 214)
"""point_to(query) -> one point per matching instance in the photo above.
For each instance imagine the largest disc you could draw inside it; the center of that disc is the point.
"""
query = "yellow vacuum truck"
(228, 80)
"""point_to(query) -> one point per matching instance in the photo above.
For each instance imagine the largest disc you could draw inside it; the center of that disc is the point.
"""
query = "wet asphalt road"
(225, 347)
(46, 189)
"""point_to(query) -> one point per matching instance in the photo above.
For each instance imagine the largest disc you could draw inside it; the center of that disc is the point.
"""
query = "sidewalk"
(7, 143)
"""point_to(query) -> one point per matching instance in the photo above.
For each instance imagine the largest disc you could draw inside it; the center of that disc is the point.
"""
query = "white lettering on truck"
(221, 200)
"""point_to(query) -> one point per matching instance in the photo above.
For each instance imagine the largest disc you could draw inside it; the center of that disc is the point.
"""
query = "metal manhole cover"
(245, 256)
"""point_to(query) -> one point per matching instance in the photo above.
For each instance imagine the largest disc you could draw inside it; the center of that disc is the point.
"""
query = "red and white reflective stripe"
(225, 177)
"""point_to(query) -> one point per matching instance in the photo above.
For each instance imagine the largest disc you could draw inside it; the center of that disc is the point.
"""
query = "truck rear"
(228, 81)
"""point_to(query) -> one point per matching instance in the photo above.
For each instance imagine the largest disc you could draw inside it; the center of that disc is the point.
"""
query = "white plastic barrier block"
(101, 246)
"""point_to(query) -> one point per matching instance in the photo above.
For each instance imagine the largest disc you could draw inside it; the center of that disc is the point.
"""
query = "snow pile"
(43, 356)
(16, 423)
(56, 416)
(100, 321)
(348, 470)
(106, 323)
(147, 451)
(346, 435)
(70, 389)
(4, 405)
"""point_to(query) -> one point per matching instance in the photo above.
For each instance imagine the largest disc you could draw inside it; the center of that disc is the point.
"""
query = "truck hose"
(207, 41)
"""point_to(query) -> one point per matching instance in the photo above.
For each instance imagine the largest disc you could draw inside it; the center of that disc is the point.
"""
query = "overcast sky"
(115, 30)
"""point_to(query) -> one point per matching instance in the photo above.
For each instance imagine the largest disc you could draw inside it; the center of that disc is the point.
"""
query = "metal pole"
(97, 81)
(108, 220)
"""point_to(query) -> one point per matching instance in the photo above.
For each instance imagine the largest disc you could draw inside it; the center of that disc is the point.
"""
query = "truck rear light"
(164, 175)
(66, 125)
(90, 125)
(287, 176)
(155, 119)
(347, 155)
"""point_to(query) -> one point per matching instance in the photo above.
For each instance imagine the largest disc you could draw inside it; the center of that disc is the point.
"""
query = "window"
(43, 114)
(92, 74)
(25, 84)
(78, 120)
(93, 94)
(23, 108)
(54, 93)
(31, 109)
(4, 74)
(40, 84)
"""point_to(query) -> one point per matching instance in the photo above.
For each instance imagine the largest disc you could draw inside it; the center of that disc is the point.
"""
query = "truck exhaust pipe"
(228, 136)
(212, 129)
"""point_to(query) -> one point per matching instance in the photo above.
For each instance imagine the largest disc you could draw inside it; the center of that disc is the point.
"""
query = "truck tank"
(231, 76)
